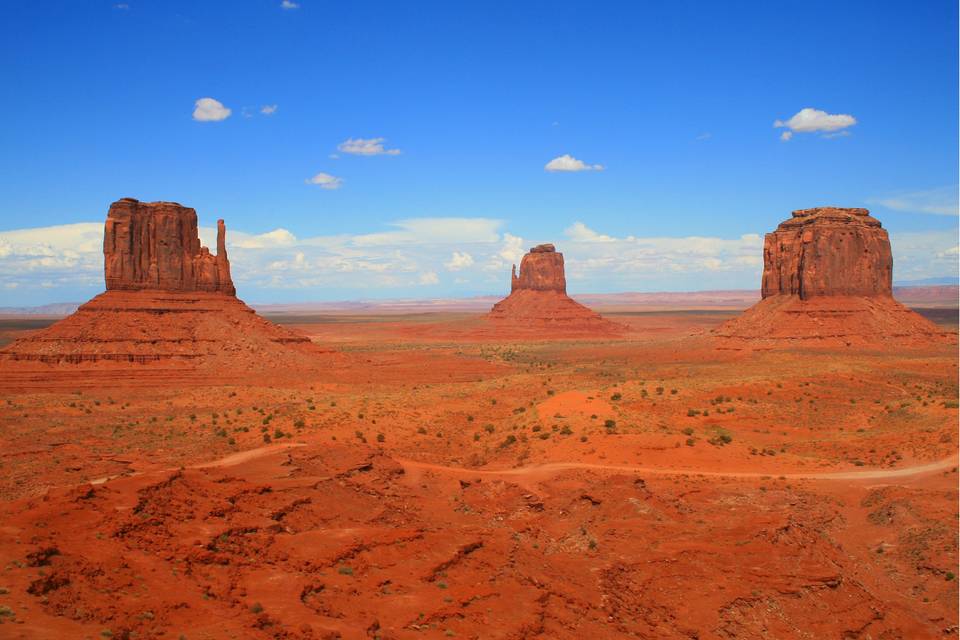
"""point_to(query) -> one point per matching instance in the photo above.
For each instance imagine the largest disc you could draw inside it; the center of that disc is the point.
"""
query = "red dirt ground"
(434, 478)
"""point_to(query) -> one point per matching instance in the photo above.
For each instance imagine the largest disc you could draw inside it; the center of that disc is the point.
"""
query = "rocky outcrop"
(169, 304)
(156, 246)
(827, 281)
(538, 300)
(828, 251)
(540, 270)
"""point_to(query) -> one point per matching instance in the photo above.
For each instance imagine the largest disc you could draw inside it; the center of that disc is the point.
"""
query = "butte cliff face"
(828, 279)
(828, 251)
(156, 246)
(169, 304)
(540, 270)
(538, 299)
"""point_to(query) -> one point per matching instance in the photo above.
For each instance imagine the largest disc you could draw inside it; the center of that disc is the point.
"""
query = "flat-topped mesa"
(540, 270)
(828, 251)
(156, 246)
(827, 281)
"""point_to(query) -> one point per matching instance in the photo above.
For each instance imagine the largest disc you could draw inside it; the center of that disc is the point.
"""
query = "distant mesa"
(828, 278)
(169, 303)
(538, 299)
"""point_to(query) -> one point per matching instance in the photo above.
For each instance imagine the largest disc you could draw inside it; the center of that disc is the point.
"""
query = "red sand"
(431, 479)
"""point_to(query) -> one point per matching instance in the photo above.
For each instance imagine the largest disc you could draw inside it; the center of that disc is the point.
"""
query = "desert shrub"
(616, 397)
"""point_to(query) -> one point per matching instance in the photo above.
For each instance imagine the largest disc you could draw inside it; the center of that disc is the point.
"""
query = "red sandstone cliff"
(827, 279)
(156, 246)
(540, 270)
(169, 304)
(828, 251)
(538, 299)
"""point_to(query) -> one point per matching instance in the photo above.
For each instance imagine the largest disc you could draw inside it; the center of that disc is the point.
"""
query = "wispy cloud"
(366, 147)
(268, 109)
(210, 110)
(810, 120)
(567, 163)
(942, 201)
(326, 181)
(289, 5)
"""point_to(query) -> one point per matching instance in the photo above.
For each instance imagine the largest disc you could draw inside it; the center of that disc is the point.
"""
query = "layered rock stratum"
(538, 299)
(156, 246)
(169, 303)
(828, 279)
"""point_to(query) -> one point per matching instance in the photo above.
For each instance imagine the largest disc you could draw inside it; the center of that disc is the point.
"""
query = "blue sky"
(671, 105)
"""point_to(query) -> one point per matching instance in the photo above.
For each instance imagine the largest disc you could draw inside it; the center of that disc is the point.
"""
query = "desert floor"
(434, 479)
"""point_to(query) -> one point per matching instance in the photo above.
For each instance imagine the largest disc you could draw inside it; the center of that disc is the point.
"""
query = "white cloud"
(326, 181)
(942, 201)
(289, 4)
(433, 231)
(705, 136)
(600, 256)
(123, 6)
(580, 232)
(812, 120)
(459, 260)
(428, 278)
(366, 147)
(268, 109)
(566, 162)
(512, 249)
(210, 110)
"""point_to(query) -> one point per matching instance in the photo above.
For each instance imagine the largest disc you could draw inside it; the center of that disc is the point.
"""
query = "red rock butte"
(170, 305)
(538, 299)
(828, 279)
(156, 246)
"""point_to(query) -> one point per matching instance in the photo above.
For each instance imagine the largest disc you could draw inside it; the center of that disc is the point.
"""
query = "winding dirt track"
(556, 467)
(535, 471)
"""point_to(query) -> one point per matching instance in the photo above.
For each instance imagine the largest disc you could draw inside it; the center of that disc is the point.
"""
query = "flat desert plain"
(433, 478)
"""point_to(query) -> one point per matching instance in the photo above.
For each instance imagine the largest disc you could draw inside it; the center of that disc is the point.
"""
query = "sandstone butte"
(828, 279)
(538, 299)
(169, 303)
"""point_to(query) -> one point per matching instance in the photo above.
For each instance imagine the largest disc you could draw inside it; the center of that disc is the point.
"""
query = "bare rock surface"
(538, 299)
(828, 281)
(169, 303)
(156, 246)
(828, 251)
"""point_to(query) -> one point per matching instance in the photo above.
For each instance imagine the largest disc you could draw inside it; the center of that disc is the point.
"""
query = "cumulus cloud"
(366, 147)
(428, 278)
(813, 120)
(210, 110)
(459, 260)
(566, 162)
(268, 109)
(942, 201)
(580, 232)
(594, 254)
(326, 181)
(289, 4)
